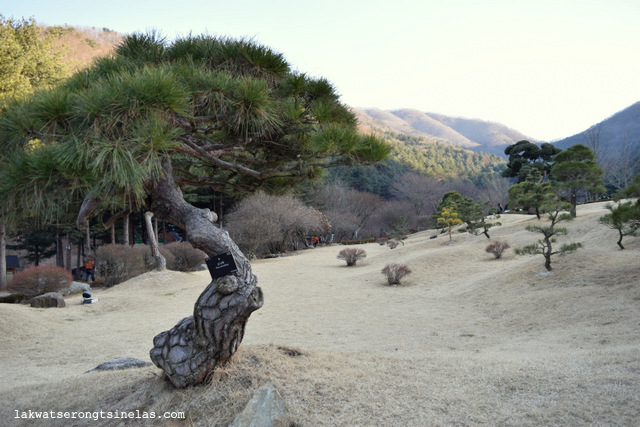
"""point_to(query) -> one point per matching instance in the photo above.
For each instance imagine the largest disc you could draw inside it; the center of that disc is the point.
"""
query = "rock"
(75, 288)
(7, 298)
(265, 409)
(120, 363)
(51, 299)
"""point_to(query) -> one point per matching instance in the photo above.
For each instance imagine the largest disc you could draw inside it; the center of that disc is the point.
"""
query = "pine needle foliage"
(624, 218)
(223, 113)
(549, 231)
(449, 218)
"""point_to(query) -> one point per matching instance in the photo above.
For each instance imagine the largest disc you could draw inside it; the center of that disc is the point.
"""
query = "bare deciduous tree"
(422, 192)
(347, 210)
(266, 223)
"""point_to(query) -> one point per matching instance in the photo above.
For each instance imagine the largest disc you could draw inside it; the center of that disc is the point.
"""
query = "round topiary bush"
(181, 256)
(497, 248)
(352, 255)
(394, 272)
(118, 263)
(40, 280)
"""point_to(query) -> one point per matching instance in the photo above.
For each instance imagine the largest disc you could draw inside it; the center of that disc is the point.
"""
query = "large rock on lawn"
(51, 299)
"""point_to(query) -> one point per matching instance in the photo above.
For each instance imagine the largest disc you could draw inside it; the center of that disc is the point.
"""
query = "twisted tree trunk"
(161, 262)
(191, 350)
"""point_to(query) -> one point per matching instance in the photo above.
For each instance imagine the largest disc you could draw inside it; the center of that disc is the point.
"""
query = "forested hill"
(472, 134)
(613, 138)
(424, 156)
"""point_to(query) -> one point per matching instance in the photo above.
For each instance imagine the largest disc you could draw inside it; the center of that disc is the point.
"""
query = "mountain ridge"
(617, 135)
(472, 134)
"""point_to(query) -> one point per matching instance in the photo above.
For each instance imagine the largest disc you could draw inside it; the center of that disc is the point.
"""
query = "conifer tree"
(449, 218)
(28, 61)
(137, 128)
(576, 171)
(624, 218)
(545, 245)
(474, 215)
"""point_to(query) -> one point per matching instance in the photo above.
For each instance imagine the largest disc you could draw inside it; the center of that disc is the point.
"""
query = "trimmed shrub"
(118, 263)
(148, 260)
(352, 255)
(181, 256)
(40, 280)
(497, 248)
(394, 272)
(358, 242)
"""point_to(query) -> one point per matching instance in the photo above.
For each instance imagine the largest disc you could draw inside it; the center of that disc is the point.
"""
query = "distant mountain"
(472, 134)
(617, 135)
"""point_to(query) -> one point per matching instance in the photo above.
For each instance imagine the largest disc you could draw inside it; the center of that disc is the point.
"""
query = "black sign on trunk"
(221, 265)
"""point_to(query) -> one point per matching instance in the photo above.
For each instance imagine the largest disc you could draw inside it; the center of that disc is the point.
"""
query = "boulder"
(51, 299)
(120, 363)
(265, 409)
(75, 288)
(7, 298)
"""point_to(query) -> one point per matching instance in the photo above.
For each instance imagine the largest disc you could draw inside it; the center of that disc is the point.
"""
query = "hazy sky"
(547, 68)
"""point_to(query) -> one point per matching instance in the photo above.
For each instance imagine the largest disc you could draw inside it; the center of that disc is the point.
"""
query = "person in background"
(90, 268)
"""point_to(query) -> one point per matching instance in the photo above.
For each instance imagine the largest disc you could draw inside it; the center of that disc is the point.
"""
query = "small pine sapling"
(352, 255)
(497, 248)
(449, 218)
(394, 272)
(624, 218)
(544, 246)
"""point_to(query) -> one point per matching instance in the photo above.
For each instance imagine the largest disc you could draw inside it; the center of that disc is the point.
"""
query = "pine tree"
(545, 245)
(449, 218)
(138, 127)
(28, 61)
(576, 171)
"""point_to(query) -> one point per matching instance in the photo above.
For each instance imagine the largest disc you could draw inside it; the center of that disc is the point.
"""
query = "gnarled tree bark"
(161, 262)
(191, 350)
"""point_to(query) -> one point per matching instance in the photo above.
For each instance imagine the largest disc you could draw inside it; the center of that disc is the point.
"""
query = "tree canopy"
(527, 159)
(221, 113)
(28, 59)
(576, 170)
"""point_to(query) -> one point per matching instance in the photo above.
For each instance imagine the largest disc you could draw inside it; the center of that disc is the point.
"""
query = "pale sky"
(547, 68)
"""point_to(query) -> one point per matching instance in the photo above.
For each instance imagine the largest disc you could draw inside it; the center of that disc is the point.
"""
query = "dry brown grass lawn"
(465, 340)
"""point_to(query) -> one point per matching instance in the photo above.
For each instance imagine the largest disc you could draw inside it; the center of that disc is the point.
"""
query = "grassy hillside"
(465, 340)
(83, 44)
